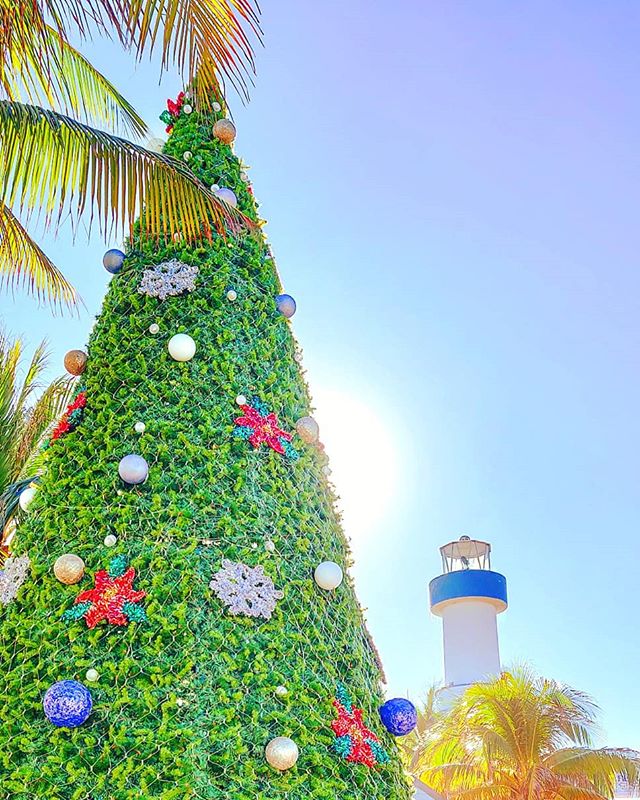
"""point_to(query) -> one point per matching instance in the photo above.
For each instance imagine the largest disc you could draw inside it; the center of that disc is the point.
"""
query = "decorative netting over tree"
(174, 621)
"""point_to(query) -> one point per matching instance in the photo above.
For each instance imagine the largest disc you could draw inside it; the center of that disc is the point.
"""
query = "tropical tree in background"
(522, 737)
(414, 744)
(28, 408)
(56, 166)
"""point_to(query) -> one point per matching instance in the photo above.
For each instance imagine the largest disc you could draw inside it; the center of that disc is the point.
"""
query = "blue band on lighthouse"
(466, 584)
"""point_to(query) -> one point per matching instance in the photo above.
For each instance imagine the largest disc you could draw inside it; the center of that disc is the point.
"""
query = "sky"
(452, 194)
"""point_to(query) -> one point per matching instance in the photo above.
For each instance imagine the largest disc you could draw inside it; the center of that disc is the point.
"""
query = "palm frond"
(42, 67)
(58, 166)
(23, 263)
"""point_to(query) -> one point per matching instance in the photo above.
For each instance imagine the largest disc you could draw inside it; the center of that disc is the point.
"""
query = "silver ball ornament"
(216, 107)
(181, 347)
(92, 675)
(328, 575)
(187, 109)
(26, 497)
(308, 429)
(154, 328)
(269, 546)
(113, 260)
(133, 469)
(232, 295)
(282, 753)
(286, 305)
(139, 427)
(281, 691)
(241, 400)
(110, 540)
(227, 195)
(186, 156)
(244, 177)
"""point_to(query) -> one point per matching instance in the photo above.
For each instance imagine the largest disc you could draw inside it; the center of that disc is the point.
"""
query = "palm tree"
(522, 737)
(27, 410)
(413, 745)
(57, 165)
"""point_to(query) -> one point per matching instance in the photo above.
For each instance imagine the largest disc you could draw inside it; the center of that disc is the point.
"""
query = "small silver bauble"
(110, 540)
(232, 295)
(214, 187)
(326, 470)
(92, 675)
(180, 702)
(308, 429)
(269, 546)
(228, 195)
(328, 575)
(241, 400)
(187, 109)
(154, 328)
(187, 155)
(282, 691)
(133, 469)
(282, 753)
(216, 107)
(139, 427)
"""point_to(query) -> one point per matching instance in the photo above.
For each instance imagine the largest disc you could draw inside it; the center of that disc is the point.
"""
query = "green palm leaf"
(57, 166)
(23, 263)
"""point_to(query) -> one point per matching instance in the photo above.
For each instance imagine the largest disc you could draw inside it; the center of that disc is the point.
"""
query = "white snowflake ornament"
(168, 279)
(12, 577)
(245, 590)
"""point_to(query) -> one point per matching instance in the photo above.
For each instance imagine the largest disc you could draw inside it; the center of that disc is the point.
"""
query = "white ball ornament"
(281, 691)
(216, 107)
(181, 347)
(139, 427)
(328, 575)
(241, 400)
(133, 469)
(227, 195)
(154, 328)
(92, 675)
(187, 155)
(187, 109)
(26, 497)
(110, 540)
(232, 295)
(282, 753)
(269, 546)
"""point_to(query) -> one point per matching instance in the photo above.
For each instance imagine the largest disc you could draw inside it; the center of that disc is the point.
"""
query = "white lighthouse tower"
(468, 596)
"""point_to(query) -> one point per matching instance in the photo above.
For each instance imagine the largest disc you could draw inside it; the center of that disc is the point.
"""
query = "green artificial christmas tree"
(174, 623)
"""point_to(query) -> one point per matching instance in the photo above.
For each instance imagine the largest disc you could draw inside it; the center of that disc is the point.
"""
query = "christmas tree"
(174, 621)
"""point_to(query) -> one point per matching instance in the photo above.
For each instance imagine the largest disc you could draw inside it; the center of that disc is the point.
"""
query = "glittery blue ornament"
(286, 305)
(113, 261)
(67, 704)
(399, 716)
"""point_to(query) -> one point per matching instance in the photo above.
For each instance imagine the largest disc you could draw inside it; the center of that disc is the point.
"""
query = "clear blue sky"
(452, 192)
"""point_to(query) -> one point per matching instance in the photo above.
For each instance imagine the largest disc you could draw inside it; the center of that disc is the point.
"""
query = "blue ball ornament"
(67, 704)
(113, 261)
(286, 305)
(399, 716)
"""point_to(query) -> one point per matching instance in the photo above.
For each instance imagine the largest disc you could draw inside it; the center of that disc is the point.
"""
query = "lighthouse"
(468, 596)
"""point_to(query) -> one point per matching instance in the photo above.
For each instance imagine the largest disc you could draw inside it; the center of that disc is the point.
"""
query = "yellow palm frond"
(206, 40)
(22, 262)
(59, 168)
(39, 65)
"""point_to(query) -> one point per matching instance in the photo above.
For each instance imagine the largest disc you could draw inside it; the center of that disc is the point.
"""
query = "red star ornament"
(108, 597)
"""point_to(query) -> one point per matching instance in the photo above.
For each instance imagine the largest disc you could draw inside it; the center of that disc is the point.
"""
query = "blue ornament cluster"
(399, 716)
(67, 704)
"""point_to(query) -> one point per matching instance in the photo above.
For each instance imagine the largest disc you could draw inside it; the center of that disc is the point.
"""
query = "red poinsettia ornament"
(259, 426)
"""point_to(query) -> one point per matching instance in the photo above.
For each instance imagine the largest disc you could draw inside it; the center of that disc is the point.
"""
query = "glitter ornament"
(113, 261)
(69, 569)
(26, 497)
(354, 741)
(154, 328)
(281, 753)
(181, 347)
(328, 575)
(133, 469)
(14, 574)
(187, 155)
(92, 675)
(110, 540)
(258, 426)
(232, 295)
(245, 590)
(241, 400)
(399, 716)
(308, 430)
(139, 427)
(286, 305)
(168, 279)
(282, 691)
(224, 130)
(75, 362)
(67, 704)
(113, 597)
(228, 195)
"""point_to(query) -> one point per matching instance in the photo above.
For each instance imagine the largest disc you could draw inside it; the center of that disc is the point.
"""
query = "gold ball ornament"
(281, 753)
(308, 430)
(69, 568)
(225, 131)
(75, 362)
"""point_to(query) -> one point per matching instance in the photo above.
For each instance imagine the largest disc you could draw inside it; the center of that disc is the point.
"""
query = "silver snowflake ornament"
(245, 590)
(12, 577)
(168, 279)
